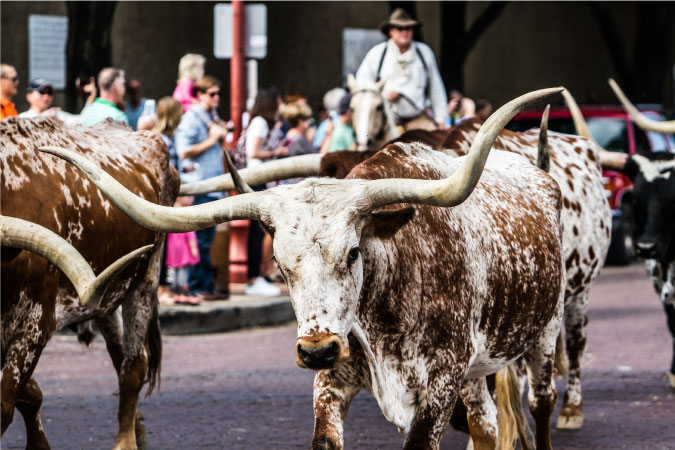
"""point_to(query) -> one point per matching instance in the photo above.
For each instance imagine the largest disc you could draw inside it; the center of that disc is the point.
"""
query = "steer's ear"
(387, 220)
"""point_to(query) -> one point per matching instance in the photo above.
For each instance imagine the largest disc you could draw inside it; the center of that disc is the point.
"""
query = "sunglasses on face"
(213, 94)
(46, 91)
(14, 79)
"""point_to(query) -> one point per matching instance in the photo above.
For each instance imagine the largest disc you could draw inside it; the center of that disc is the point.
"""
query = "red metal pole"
(237, 68)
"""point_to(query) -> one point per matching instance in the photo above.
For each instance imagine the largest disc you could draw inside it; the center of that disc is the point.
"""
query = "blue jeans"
(200, 277)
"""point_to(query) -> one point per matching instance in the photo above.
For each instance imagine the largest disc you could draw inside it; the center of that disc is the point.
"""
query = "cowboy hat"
(399, 18)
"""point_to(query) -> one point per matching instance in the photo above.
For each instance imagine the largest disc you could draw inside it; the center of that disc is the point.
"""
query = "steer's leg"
(110, 327)
(433, 414)
(542, 394)
(670, 315)
(28, 404)
(481, 413)
(19, 363)
(137, 311)
(333, 392)
(575, 341)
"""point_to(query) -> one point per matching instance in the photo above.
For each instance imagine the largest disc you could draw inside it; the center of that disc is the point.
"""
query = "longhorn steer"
(586, 226)
(653, 178)
(408, 301)
(37, 299)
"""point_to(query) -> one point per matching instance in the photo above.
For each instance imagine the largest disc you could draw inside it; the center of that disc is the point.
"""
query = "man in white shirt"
(409, 70)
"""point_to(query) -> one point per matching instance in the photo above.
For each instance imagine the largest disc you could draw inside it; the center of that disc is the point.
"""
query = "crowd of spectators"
(196, 137)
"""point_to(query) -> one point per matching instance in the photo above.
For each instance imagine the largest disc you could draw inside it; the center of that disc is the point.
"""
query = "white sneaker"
(261, 288)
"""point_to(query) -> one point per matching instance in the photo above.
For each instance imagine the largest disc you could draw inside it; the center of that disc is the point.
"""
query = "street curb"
(216, 317)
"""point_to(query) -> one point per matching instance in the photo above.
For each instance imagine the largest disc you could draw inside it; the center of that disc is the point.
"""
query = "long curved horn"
(30, 236)
(608, 160)
(457, 188)
(239, 184)
(640, 119)
(281, 169)
(543, 161)
(162, 218)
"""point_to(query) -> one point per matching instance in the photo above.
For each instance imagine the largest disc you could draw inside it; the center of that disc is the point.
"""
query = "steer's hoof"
(671, 380)
(570, 422)
(323, 443)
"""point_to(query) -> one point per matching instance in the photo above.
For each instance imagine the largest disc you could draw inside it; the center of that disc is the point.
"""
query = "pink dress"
(184, 93)
(178, 249)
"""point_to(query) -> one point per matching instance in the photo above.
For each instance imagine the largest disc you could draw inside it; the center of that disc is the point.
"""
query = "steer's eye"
(379, 108)
(353, 255)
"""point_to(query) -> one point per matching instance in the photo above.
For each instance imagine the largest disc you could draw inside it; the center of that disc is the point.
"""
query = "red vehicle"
(614, 130)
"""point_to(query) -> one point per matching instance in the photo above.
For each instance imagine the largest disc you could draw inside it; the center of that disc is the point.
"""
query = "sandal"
(187, 300)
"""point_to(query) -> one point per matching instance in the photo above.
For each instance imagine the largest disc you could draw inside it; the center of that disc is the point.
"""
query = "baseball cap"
(343, 107)
(38, 83)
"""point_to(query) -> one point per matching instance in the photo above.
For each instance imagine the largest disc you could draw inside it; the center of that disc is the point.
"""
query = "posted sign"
(47, 40)
(256, 31)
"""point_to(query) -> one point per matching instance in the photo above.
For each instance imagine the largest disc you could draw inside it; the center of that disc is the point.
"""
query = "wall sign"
(47, 40)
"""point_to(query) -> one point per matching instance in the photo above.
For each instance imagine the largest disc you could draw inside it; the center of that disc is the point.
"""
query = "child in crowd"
(181, 253)
(298, 115)
(190, 69)
(169, 113)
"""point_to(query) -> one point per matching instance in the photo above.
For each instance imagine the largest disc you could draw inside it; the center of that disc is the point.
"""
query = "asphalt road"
(242, 390)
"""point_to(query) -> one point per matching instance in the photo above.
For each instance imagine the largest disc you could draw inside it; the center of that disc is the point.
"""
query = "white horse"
(373, 118)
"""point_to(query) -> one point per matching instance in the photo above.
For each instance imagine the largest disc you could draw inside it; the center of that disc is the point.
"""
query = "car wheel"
(622, 249)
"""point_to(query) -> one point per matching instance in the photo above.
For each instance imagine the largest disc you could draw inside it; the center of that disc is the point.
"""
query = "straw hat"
(398, 18)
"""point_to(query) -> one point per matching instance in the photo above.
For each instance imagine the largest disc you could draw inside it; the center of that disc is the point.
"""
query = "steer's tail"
(154, 350)
(561, 363)
(511, 420)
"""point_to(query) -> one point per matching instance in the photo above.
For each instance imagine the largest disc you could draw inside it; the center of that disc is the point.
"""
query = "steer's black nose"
(318, 358)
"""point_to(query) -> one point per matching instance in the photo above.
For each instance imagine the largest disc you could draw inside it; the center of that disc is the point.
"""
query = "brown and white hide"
(37, 299)
(443, 293)
(586, 227)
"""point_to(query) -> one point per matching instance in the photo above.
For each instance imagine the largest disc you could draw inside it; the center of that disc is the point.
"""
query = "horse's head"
(372, 116)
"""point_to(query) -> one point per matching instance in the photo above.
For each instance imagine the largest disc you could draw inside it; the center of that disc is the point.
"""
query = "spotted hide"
(454, 293)
(412, 287)
(407, 301)
(37, 299)
(653, 202)
(586, 226)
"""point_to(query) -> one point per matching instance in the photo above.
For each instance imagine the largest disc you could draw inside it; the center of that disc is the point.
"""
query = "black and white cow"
(653, 177)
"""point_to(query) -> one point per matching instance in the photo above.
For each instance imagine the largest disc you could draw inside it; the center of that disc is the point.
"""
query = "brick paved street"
(242, 390)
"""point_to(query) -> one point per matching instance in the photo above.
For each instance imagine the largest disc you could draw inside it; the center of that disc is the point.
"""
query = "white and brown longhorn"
(586, 223)
(418, 272)
(38, 298)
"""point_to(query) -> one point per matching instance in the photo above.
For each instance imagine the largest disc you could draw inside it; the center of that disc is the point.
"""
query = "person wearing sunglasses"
(40, 94)
(409, 72)
(8, 88)
(199, 143)
(110, 103)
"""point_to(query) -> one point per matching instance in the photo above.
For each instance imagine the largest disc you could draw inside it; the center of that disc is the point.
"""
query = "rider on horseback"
(410, 74)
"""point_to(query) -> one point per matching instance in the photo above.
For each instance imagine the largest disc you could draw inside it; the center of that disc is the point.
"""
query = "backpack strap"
(426, 71)
(379, 66)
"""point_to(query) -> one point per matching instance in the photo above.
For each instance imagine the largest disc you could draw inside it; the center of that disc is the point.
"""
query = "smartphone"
(149, 107)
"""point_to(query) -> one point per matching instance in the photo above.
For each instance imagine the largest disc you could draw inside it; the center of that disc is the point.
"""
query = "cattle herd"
(438, 271)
